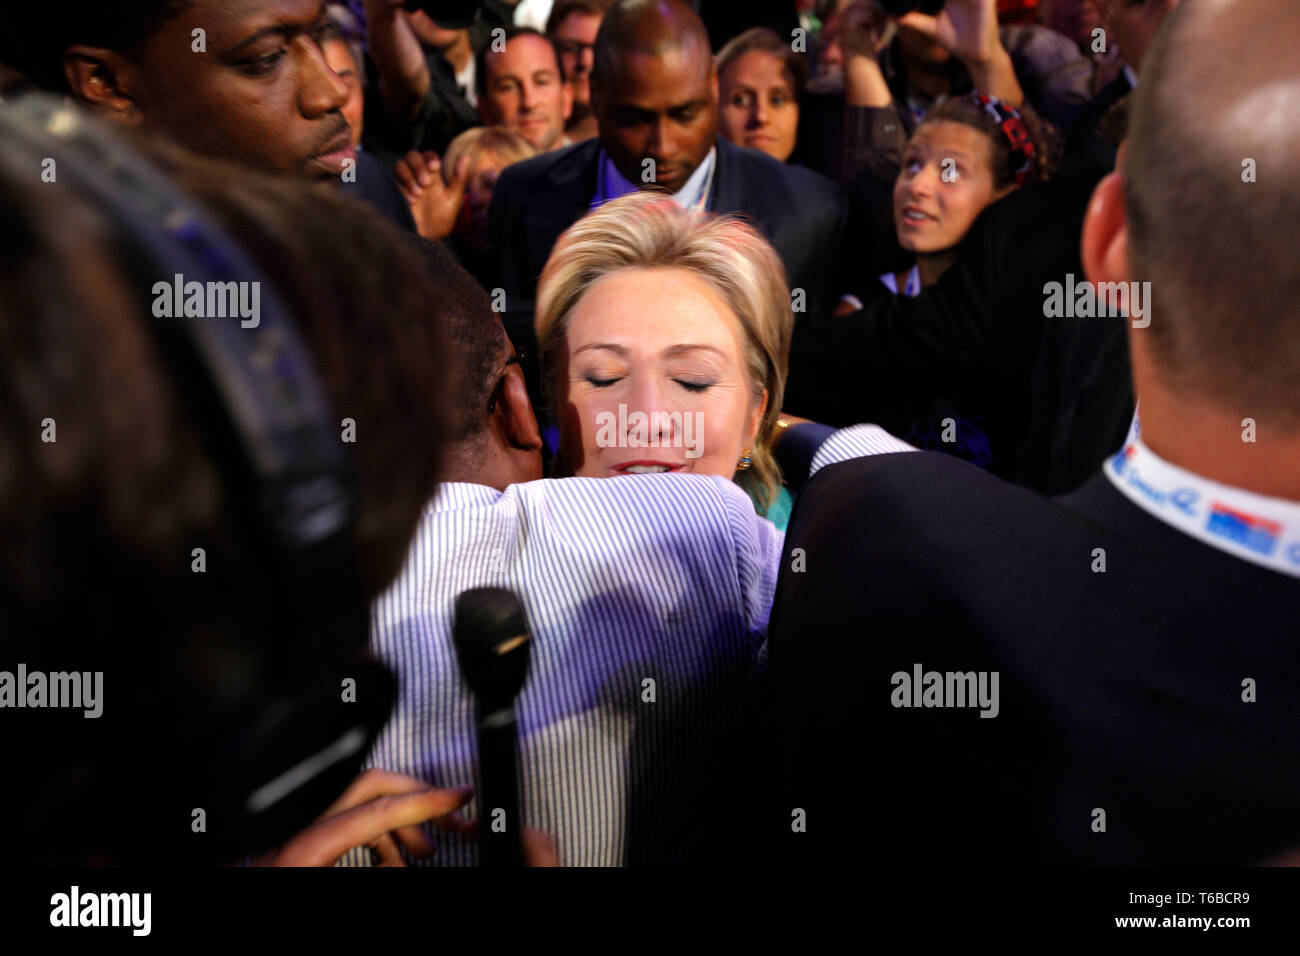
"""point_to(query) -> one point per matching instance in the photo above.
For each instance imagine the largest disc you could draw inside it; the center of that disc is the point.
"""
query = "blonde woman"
(490, 149)
(450, 195)
(665, 339)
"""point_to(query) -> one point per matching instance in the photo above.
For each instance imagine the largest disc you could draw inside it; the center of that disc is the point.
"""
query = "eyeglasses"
(516, 358)
(572, 47)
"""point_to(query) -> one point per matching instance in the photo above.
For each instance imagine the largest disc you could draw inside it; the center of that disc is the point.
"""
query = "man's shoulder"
(546, 167)
(774, 181)
(922, 501)
(375, 184)
(910, 474)
(652, 503)
(695, 517)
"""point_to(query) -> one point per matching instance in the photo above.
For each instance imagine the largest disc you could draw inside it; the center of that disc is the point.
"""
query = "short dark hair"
(1218, 250)
(476, 344)
(480, 65)
(1112, 128)
(761, 38)
(670, 24)
(564, 9)
(38, 34)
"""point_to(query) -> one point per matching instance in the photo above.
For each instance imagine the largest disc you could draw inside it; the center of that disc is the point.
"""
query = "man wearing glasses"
(572, 27)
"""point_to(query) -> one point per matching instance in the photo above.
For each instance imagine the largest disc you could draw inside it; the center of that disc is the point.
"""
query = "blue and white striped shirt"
(648, 597)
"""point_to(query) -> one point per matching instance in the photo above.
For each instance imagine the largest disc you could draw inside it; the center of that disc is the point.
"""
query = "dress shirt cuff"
(806, 448)
(856, 441)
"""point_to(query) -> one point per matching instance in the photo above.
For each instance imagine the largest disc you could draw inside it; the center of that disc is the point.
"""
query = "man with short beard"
(240, 80)
(572, 27)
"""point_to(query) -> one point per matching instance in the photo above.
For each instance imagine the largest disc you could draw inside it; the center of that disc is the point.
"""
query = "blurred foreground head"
(128, 550)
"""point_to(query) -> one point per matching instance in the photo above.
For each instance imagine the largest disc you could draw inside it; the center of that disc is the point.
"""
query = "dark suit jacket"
(376, 185)
(1119, 690)
(1085, 151)
(800, 212)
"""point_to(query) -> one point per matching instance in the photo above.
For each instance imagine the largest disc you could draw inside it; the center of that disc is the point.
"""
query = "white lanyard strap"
(1256, 528)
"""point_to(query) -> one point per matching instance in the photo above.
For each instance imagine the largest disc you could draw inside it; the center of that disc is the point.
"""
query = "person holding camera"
(899, 62)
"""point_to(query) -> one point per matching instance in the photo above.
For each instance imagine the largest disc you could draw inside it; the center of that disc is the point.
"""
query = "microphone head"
(491, 637)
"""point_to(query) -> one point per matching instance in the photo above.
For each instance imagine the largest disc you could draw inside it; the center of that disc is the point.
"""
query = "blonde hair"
(505, 144)
(650, 230)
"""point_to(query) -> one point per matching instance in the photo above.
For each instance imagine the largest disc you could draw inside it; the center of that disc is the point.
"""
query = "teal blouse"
(779, 512)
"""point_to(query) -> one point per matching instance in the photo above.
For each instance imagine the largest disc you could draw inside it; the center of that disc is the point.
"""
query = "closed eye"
(263, 65)
(693, 386)
(600, 382)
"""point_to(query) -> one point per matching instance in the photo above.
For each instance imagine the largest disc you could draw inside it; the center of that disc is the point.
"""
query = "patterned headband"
(1014, 129)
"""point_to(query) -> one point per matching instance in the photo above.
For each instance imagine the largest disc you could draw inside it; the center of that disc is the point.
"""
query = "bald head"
(1212, 199)
(652, 28)
(654, 92)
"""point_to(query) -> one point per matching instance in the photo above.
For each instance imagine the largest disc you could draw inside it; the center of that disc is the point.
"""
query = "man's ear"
(567, 98)
(104, 79)
(514, 415)
(1105, 233)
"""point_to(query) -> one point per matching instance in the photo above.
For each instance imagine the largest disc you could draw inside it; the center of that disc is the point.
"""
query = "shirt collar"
(611, 184)
(465, 80)
(455, 495)
(1257, 528)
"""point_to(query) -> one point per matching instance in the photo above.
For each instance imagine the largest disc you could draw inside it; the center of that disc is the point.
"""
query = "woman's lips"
(913, 217)
(645, 467)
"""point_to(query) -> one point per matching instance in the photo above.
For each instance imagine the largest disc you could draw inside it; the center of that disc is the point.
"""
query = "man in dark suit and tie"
(654, 94)
(965, 671)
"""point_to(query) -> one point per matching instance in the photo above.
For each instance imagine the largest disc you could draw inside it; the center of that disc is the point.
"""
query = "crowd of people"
(957, 484)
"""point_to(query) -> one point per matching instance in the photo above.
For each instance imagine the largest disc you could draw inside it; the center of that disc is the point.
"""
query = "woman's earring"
(745, 461)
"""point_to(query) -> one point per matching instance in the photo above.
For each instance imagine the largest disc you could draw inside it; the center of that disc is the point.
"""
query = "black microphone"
(491, 637)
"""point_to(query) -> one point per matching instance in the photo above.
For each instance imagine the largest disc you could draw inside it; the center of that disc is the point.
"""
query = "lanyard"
(1256, 528)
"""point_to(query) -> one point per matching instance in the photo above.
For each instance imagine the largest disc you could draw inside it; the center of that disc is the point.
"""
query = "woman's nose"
(650, 398)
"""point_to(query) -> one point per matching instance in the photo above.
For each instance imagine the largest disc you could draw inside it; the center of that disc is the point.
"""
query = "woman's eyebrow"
(673, 351)
(617, 349)
(676, 350)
